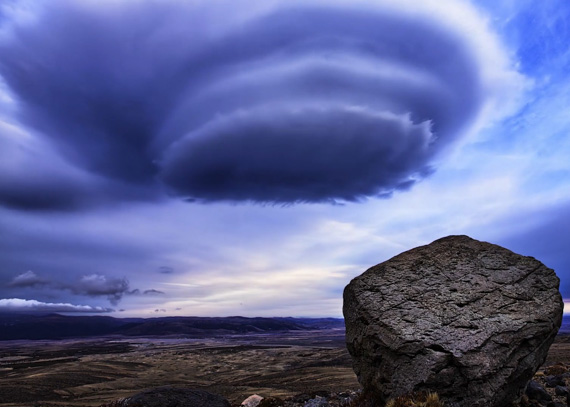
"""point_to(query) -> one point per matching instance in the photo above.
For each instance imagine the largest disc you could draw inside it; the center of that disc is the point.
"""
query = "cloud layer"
(21, 305)
(277, 102)
(99, 285)
(104, 102)
(310, 154)
(92, 285)
(27, 279)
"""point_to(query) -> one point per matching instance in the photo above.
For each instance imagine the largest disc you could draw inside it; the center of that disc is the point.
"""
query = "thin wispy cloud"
(152, 291)
(27, 279)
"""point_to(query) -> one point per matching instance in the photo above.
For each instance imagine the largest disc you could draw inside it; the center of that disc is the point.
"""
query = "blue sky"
(250, 158)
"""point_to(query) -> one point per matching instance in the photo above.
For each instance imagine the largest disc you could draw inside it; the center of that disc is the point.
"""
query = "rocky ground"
(98, 371)
(309, 369)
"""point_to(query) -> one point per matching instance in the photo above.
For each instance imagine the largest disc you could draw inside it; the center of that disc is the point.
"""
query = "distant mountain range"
(56, 326)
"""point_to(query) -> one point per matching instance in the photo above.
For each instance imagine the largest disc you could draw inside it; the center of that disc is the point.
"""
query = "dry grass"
(365, 400)
(420, 399)
(416, 400)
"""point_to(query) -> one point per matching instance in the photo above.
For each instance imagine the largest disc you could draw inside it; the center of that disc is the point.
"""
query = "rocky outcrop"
(168, 396)
(469, 320)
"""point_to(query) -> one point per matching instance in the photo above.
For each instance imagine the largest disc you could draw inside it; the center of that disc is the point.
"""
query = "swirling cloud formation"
(276, 102)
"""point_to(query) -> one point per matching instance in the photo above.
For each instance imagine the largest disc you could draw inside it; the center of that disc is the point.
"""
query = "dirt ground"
(91, 372)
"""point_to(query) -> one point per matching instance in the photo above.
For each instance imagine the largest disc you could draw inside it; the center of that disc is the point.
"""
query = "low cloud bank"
(22, 305)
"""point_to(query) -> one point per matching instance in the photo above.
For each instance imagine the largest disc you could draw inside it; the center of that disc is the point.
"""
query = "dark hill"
(199, 325)
(55, 326)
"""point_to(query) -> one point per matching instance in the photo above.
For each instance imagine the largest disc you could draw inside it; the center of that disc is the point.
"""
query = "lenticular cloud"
(276, 102)
(320, 104)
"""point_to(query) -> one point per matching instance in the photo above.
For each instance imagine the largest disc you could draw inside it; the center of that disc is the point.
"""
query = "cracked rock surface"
(470, 320)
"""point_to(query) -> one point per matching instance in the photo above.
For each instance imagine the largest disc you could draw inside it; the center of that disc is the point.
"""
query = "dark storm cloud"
(33, 176)
(95, 285)
(310, 151)
(295, 103)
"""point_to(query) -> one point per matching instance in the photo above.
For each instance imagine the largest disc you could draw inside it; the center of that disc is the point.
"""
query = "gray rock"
(535, 391)
(553, 381)
(168, 396)
(300, 398)
(561, 390)
(317, 402)
(467, 319)
(252, 401)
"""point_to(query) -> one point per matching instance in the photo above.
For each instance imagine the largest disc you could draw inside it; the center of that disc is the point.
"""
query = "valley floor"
(91, 372)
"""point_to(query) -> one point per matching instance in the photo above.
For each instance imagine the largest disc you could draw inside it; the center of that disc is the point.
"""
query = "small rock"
(347, 397)
(317, 402)
(300, 398)
(174, 397)
(561, 391)
(553, 381)
(535, 391)
(252, 401)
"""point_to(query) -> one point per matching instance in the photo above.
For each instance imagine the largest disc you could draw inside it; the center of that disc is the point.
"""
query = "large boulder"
(469, 320)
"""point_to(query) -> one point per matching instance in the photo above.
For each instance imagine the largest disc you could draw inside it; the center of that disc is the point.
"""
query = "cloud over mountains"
(22, 305)
(92, 285)
(273, 102)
